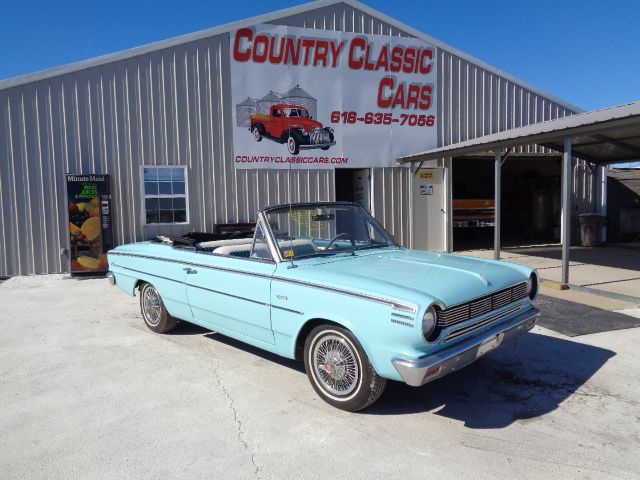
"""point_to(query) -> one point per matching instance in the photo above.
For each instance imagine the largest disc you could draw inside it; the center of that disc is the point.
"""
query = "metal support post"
(498, 206)
(448, 204)
(565, 231)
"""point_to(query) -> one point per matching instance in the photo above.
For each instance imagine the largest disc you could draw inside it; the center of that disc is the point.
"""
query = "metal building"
(169, 103)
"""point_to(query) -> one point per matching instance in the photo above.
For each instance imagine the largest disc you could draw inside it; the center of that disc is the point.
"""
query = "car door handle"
(190, 270)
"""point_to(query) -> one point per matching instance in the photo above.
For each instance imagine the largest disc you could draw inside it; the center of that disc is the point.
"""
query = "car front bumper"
(426, 369)
(316, 145)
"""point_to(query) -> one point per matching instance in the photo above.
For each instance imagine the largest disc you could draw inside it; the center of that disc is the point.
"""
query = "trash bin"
(590, 228)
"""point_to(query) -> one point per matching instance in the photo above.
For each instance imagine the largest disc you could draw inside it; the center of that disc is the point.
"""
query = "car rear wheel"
(339, 369)
(154, 312)
(257, 135)
(293, 145)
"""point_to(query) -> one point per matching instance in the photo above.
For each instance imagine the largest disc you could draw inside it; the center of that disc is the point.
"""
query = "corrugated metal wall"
(172, 107)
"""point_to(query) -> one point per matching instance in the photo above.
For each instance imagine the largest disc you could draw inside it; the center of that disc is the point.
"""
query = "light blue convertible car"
(325, 283)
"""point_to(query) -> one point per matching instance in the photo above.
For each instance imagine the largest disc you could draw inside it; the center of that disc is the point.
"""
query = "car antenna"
(291, 252)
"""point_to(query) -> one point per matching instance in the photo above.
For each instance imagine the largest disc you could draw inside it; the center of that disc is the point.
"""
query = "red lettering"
(396, 59)
(367, 61)
(355, 63)
(425, 97)
(409, 59)
(307, 44)
(273, 57)
(321, 51)
(260, 48)
(398, 100)
(383, 59)
(292, 51)
(336, 49)
(427, 55)
(384, 92)
(413, 93)
(240, 54)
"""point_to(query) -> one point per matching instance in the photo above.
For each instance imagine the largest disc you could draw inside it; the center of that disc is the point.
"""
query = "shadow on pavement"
(185, 328)
(573, 319)
(523, 380)
(271, 357)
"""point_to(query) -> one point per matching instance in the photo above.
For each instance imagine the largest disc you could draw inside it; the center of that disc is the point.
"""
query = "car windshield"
(296, 112)
(325, 229)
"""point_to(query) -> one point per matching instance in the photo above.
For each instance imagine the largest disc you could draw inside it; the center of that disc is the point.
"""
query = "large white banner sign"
(305, 98)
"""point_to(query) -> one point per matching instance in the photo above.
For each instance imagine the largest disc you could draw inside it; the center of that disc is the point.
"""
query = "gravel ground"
(88, 392)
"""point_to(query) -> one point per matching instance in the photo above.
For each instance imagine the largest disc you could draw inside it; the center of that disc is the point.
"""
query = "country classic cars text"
(277, 49)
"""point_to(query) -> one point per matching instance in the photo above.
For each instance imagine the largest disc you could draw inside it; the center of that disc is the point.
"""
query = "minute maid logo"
(85, 178)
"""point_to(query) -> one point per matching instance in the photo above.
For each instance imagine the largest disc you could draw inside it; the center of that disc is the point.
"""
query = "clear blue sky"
(587, 52)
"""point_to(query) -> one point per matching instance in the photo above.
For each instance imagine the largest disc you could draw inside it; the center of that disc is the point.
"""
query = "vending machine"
(90, 232)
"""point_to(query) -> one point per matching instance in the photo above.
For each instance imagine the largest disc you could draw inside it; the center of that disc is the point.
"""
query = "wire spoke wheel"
(152, 307)
(336, 365)
(339, 369)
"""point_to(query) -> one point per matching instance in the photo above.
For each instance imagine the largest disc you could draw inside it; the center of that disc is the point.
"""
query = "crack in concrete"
(240, 431)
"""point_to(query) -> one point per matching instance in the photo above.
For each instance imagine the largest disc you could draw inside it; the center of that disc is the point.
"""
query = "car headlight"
(532, 285)
(304, 132)
(428, 322)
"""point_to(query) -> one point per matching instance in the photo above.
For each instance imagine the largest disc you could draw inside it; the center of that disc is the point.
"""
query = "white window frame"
(144, 196)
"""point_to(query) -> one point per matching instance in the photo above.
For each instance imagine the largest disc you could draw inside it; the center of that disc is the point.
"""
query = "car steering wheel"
(338, 237)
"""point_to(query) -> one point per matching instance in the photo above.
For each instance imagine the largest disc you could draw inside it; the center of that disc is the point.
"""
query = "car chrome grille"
(480, 306)
(470, 328)
(320, 135)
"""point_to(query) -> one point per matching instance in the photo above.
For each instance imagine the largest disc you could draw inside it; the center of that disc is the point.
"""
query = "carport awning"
(607, 136)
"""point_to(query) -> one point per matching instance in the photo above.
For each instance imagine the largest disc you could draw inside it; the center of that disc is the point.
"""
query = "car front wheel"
(154, 313)
(293, 145)
(339, 369)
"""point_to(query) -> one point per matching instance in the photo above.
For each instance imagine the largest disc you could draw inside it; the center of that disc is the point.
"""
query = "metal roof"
(267, 18)
(297, 92)
(610, 135)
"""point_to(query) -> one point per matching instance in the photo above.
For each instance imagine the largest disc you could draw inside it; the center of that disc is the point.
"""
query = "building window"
(165, 195)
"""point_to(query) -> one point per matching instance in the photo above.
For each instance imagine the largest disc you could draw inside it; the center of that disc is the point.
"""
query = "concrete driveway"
(88, 392)
(612, 271)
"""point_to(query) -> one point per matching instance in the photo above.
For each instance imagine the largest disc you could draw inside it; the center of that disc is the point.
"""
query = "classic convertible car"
(325, 283)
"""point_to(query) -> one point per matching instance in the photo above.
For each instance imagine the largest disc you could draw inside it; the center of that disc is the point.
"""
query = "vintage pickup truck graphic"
(293, 126)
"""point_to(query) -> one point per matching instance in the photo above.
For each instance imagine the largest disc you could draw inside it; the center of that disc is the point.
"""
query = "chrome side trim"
(287, 309)
(416, 372)
(229, 295)
(192, 264)
(400, 322)
(395, 305)
(147, 273)
(399, 315)
(202, 288)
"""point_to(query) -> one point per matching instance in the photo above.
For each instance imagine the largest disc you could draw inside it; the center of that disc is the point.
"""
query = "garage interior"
(352, 185)
(530, 201)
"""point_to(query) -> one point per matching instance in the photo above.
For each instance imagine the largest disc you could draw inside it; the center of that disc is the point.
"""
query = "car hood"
(307, 124)
(415, 275)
